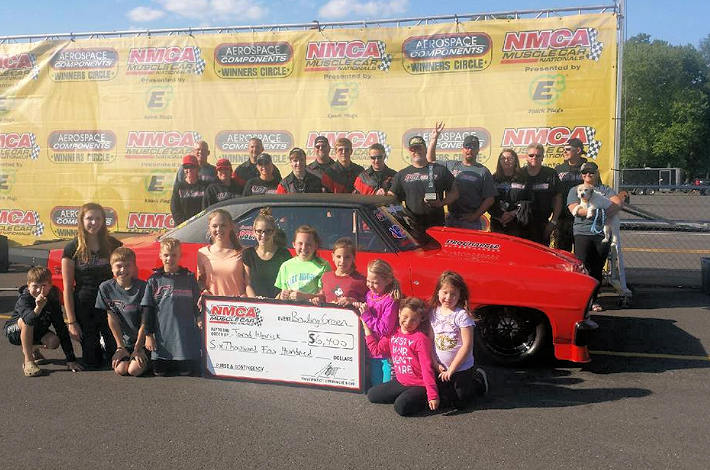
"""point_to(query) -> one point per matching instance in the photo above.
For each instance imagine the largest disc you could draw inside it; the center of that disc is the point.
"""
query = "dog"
(593, 202)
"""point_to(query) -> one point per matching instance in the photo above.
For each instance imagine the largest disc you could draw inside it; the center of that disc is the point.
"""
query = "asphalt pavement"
(641, 403)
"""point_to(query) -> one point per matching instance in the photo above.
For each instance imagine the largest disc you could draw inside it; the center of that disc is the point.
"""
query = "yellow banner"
(109, 120)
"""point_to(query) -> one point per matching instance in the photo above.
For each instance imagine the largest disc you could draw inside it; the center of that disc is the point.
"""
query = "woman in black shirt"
(510, 211)
(85, 265)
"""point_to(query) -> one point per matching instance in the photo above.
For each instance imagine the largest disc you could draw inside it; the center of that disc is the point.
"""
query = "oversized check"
(272, 341)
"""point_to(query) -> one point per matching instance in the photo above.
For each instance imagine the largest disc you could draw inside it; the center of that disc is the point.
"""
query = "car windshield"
(400, 227)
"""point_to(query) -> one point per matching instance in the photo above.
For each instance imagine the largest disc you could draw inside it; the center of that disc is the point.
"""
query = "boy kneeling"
(121, 298)
(36, 309)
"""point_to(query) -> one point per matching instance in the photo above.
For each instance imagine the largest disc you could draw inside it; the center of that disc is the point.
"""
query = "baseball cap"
(322, 139)
(471, 142)
(575, 142)
(416, 140)
(263, 159)
(189, 159)
(589, 167)
(224, 164)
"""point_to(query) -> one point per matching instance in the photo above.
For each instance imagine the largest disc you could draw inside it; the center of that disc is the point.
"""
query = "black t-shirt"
(247, 171)
(90, 274)
(543, 187)
(309, 184)
(218, 192)
(509, 192)
(259, 186)
(262, 274)
(569, 178)
(186, 200)
(410, 185)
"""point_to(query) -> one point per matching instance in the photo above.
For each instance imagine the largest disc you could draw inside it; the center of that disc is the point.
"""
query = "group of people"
(532, 201)
(421, 352)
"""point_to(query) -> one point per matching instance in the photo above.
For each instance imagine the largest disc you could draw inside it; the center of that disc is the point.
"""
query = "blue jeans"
(452, 221)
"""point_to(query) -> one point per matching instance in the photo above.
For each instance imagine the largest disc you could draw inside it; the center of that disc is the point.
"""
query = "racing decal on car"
(473, 245)
(396, 232)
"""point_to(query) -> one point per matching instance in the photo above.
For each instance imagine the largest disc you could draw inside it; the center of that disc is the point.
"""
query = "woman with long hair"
(85, 265)
(262, 262)
(220, 270)
(510, 210)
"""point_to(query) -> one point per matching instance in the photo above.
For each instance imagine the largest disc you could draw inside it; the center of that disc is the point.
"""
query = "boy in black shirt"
(300, 180)
(37, 309)
(224, 188)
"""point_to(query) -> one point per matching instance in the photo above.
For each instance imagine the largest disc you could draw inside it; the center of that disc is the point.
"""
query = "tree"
(667, 106)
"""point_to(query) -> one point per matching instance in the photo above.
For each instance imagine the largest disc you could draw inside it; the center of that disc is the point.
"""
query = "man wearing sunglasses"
(378, 178)
(324, 166)
(205, 171)
(544, 185)
(570, 176)
(425, 187)
(346, 171)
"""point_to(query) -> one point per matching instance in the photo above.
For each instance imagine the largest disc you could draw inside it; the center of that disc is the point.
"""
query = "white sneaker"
(484, 376)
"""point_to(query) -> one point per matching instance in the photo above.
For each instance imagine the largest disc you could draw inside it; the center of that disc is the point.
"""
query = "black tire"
(512, 336)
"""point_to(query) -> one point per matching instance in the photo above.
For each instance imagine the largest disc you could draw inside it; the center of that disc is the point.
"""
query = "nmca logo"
(18, 217)
(360, 139)
(235, 311)
(547, 39)
(165, 139)
(344, 50)
(162, 55)
(15, 140)
(18, 61)
(149, 221)
(518, 137)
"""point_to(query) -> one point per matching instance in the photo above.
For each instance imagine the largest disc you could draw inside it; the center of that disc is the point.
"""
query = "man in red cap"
(188, 194)
(205, 172)
(222, 189)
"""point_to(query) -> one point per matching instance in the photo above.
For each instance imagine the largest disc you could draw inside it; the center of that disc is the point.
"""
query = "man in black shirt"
(378, 178)
(248, 170)
(570, 177)
(300, 180)
(205, 172)
(187, 195)
(544, 186)
(425, 187)
(323, 166)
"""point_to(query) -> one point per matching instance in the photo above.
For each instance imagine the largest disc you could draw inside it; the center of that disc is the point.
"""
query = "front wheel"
(512, 335)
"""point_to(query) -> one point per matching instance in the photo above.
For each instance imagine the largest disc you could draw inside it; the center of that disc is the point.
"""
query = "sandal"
(30, 369)
(597, 308)
(38, 357)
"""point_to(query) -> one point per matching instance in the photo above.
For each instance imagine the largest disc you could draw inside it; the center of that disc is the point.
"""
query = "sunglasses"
(377, 157)
(534, 155)
(320, 146)
(568, 149)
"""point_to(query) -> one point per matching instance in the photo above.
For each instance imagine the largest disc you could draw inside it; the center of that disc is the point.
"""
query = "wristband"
(69, 322)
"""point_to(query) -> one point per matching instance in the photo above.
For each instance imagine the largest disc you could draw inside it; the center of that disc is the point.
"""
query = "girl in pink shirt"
(220, 270)
(414, 386)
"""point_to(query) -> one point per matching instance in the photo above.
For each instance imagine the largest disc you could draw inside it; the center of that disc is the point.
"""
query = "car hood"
(490, 247)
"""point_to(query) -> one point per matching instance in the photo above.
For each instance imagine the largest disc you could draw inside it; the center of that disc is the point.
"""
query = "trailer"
(650, 180)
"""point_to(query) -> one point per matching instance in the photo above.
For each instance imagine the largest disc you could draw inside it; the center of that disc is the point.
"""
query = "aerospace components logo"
(64, 220)
(82, 146)
(16, 67)
(234, 144)
(171, 60)
(455, 52)
(361, 140)
(551, 45)
(450, 142)
(253, 60)
(521, 137)
(18, 146)
(69, 65)
(160, 148)
(350, 56)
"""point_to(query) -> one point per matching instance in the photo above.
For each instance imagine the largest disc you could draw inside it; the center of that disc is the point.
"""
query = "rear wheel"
(512, 335)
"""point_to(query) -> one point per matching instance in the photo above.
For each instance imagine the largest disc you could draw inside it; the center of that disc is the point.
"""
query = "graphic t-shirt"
(259, 186)
(247, 171)
(447, 336)
(474, 182)
(303, 276)
(124, 305)
(218, 192)
(334, 286)
(410, 185)
(186, 200)
(90, 274)
(174, 298)
(543, 187)
(569, 178)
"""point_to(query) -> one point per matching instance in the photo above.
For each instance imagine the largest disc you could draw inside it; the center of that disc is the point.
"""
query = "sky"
(680, 22)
